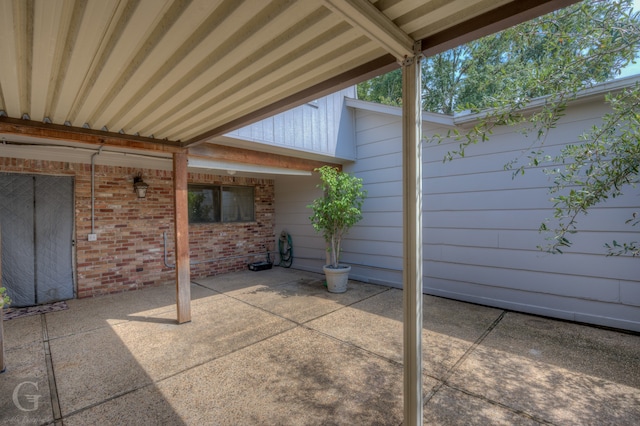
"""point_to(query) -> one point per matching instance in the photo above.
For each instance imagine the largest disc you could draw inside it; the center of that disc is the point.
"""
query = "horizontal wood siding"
(481, 226)
(292, 196)
(318, 127)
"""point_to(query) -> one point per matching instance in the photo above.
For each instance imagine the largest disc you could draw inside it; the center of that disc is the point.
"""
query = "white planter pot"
(337, 278)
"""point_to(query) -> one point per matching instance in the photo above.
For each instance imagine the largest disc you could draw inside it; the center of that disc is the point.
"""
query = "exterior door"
(36, 216)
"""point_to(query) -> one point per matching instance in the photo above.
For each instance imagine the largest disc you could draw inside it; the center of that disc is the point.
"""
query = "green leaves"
(606, 162)
(616, 249)
(557, 56)
(4, 299)
(524, 77)
(559, 53)
(338, 209)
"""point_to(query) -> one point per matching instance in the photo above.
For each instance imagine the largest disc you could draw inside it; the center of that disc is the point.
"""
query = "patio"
(274, 347)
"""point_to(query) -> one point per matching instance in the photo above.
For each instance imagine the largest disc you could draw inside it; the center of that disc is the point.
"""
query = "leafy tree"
(600, 167)
(384, 89)
(555, 57)
(338, 209)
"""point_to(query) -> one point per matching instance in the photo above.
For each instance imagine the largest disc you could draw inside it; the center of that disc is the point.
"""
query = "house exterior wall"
(318, 127)
(481, 233)
(129, 251)
(481, 226)
(292, 196)
(230, 243)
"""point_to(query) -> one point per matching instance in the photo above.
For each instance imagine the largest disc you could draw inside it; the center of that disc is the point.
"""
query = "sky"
(632, 69)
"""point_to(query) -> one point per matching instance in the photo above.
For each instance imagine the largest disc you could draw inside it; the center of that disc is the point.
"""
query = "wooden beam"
(247, 156)
(363, 15)
(37, 129)
(183, 274)
(412, 239)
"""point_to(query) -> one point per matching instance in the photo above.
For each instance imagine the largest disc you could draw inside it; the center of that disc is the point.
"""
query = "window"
(210, 204)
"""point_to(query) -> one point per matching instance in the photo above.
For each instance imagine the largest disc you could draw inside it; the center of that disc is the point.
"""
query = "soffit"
(179, 72)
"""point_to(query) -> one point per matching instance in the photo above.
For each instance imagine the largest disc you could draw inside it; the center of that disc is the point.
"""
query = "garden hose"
(285, 248)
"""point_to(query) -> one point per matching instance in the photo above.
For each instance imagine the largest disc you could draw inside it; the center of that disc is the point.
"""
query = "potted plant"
(4, 300)
(334, 213)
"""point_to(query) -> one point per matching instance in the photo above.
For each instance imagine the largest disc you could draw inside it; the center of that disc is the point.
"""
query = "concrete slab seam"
(171, 308)
(348, 305)
(302, 325)
(445, 379)
(465, 355)
(516, 411)
(223, 356)
(289, 319)
(108, 399)
(156, 382)
(257, 307)
(344, 342)
(53, 388)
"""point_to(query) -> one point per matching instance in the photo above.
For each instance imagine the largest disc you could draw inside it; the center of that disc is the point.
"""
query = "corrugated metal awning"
(178, 72)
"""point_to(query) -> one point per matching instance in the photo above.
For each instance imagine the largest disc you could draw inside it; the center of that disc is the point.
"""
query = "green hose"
(285, 248)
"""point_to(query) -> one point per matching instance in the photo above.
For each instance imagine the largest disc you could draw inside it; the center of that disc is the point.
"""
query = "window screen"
(237, 203)
(210, 204)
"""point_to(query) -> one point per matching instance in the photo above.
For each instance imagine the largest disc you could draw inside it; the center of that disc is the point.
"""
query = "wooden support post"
(412, 239)
(183, 275)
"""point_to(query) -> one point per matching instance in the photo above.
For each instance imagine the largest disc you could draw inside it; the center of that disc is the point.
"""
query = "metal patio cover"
(179, 72)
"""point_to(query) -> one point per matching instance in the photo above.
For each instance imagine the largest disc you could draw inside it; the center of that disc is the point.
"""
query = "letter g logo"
(33, 399)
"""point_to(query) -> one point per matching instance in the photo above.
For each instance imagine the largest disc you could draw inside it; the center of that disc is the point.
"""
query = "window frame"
(219, 189)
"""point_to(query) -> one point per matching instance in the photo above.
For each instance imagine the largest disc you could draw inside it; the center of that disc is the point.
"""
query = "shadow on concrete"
(274, 347)
(52, 379)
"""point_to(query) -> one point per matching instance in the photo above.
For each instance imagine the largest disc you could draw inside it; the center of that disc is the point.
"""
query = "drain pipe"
(164, 235)
(93, 200)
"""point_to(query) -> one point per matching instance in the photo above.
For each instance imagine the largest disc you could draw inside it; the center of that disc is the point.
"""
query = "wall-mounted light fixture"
(139, 187)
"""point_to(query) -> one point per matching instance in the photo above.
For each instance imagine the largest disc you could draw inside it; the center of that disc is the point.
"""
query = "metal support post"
(412, 239)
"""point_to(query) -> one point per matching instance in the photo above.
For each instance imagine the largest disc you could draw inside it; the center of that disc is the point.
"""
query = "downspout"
(93, 171)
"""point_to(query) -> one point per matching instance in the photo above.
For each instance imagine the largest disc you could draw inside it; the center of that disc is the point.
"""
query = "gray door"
(36, 215)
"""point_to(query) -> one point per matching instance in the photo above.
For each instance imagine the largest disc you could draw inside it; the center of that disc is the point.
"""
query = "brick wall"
(225, 242)
(129, 251)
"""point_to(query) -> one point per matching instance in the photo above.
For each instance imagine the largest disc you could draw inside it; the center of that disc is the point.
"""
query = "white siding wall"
(292, 196)
(316, 127)
(480, 227)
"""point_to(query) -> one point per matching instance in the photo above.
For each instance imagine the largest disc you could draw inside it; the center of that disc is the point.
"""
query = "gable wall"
(316, 127)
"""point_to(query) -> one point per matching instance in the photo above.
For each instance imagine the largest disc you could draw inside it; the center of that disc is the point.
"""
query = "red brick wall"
(225, 241)
(129, 251)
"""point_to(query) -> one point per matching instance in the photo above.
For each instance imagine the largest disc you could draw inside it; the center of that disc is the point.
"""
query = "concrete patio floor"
(274, 347)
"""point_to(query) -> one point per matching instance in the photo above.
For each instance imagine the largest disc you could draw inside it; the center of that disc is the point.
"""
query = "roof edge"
(467, 117)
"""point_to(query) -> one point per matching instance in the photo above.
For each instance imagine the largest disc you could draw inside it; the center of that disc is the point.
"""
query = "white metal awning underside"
(179, 72)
